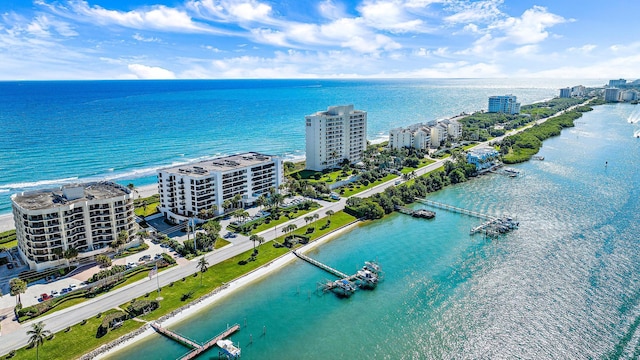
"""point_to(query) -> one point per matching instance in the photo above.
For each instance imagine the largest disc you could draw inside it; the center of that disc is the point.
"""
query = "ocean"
(564, 285)
(59, 132)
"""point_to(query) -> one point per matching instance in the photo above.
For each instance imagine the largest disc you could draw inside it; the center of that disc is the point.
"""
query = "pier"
(456, 209)
(197, 349)
(493, 226)
(322, 266)
(368, 277)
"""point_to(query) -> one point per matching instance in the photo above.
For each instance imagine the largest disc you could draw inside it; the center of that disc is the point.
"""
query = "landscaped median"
(83, 338)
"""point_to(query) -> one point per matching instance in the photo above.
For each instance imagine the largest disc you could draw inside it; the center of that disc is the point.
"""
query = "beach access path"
(59, 320)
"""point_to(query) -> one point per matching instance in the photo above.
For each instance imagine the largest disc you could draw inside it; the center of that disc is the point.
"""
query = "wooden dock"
(456, 209)
(197, 349)
(322, 266)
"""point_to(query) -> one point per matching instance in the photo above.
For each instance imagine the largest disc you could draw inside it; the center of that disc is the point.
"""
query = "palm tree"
(315, 217)
(227, 204)
(123, 237)
(308, 219)
(70, 254)
(213, 209)
(17, 286)
(329, 213)
(37, 334)
(255, 239)
(261, 201)
(202, 266)
(58, 252)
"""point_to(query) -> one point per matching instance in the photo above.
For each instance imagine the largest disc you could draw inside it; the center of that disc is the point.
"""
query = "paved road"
(61, 319)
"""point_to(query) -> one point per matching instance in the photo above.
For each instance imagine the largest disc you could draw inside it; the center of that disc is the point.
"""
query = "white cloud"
(530, 28)
(157, 17)
(477, 11)
(139, 37)
(389, 15)
(150, 72)
(585, 49)
(242, 11)
(330, 10)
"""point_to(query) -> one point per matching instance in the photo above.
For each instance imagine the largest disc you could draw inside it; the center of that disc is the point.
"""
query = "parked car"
(64, 291)
(131, 265)
(73, 286)
(54, 293)
(45, 297)
(157, 257)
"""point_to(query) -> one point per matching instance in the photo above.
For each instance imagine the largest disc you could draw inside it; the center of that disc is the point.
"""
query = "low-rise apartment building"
(87, 217)
(186, 190)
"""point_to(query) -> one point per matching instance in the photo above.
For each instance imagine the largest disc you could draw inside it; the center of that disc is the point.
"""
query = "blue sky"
(137, 39)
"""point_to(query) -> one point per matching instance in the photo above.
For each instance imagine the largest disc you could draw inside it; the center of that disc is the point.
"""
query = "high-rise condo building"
(186, 190)
(612, 94)
(338, 134)
(87, 217)
(507, 104)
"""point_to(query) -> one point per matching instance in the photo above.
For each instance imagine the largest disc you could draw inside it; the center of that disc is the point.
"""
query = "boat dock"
(368, 277)
(456, 209)
(493, 226)
(197, 348)
(537, 157)
(420, 213)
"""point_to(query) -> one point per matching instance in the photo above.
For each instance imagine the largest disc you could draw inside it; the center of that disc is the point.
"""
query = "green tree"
(254, 239)
(70, 254)
(17, 286)
(103, 260)
(329, 213)
(120, 240)
(202, 266)
(212, 228)
(58, 252)
(37, 335)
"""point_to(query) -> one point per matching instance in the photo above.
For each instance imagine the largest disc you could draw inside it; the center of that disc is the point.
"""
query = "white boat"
(228, 348)
(367, 276)
(372, 266)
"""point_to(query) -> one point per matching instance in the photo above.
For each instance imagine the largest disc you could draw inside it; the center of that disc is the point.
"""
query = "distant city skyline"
(231, 39)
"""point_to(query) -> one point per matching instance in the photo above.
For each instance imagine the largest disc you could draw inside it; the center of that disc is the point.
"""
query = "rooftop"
(226, 163)
(68, 194)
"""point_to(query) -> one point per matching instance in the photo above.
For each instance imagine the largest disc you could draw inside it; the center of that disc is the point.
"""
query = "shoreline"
(213, 297)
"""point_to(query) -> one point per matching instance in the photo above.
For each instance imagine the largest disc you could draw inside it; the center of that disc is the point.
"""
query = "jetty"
(420, 213)
(367, 277)
(196, 348)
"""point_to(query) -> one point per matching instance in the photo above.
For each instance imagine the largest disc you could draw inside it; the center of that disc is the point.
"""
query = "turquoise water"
(57, 132)
(564, 285)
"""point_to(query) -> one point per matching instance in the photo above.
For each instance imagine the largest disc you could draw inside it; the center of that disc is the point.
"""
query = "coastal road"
(59, 320)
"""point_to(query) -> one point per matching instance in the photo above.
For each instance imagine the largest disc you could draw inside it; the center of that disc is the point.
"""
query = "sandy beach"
(218, 294)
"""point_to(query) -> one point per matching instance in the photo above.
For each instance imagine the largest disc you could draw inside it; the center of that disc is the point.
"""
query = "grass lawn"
(9, 245)
(82, 338)
(423, 163)
(283, 219)
(150, 209)
(358, 189)
(79, 340)
(220, 243)
(328, 177)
